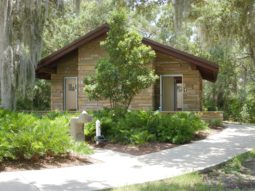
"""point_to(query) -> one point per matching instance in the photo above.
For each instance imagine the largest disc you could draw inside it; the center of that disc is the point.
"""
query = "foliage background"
(221, 31)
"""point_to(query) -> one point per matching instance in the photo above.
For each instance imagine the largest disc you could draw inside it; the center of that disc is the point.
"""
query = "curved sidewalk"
(117, 169)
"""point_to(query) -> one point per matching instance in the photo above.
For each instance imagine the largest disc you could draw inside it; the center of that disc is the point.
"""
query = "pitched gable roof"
(208, 70)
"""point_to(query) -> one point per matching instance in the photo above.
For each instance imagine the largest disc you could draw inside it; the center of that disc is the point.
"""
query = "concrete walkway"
(117, 169)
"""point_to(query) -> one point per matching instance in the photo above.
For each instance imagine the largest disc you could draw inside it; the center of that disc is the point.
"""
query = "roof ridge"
(208, 69)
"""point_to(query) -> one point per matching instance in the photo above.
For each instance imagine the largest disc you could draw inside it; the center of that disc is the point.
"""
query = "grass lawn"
(236, 174)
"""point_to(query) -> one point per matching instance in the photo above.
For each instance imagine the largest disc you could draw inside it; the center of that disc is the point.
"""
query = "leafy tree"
(227, 27)
(51, 22)
(38, 99)
(126, 71)
(62, 29)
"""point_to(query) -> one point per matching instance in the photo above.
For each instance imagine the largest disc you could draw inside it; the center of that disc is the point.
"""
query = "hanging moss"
(181, 10)
(21, 27)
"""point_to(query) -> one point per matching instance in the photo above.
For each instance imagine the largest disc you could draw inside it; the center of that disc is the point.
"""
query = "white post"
(98, 130)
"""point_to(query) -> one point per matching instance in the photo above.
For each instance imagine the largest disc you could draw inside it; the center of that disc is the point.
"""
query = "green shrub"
(26, 136)
(215, 123)
(209, 105)
(179, 128)
(55, 114)
(233, 110)
(81, 147)
(248, 111)
(139, 127)
(38, 98)
(90, 130)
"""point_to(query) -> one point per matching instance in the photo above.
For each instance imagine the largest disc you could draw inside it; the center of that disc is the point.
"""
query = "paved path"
(117, 169)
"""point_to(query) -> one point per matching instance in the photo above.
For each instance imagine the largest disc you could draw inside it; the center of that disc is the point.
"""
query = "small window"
(71, 87)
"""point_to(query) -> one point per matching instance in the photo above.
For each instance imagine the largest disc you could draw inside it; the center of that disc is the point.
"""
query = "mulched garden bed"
(46, 163)
(147, 148)
(138, 150)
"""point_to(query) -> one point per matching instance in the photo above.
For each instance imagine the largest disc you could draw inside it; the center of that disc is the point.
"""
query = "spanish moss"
(21, 27)
(181, 10)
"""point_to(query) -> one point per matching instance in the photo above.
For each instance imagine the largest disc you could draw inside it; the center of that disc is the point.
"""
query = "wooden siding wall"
(82, 63)
(211, 115)
(192, 81)
(88, 56)
(67, 67)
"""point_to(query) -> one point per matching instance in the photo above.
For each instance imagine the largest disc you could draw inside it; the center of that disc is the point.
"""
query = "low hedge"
(27, 136)
(139, 127)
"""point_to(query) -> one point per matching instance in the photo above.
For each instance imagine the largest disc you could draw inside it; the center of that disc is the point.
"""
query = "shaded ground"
(46, 162)
(231, 178)
(233, 175)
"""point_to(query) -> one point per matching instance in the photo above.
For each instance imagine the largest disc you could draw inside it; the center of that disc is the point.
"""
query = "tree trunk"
(128, 103)
(6, 57)
(21, 28)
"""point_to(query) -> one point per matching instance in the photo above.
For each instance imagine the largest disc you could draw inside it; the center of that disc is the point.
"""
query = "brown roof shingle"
(208, 70)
